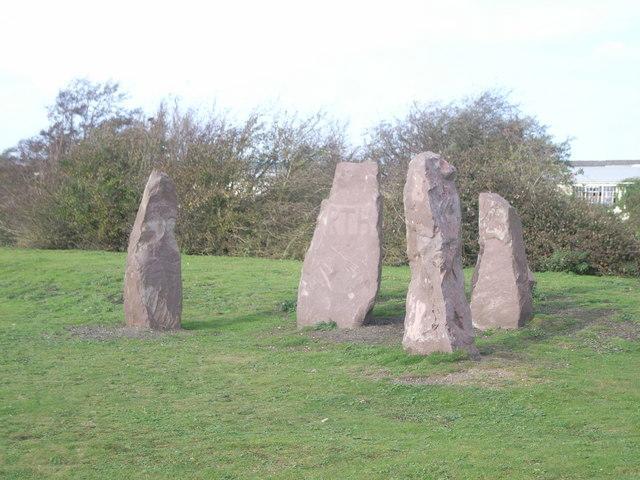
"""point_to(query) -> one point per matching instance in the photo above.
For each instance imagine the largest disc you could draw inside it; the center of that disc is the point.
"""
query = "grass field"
(240, 393)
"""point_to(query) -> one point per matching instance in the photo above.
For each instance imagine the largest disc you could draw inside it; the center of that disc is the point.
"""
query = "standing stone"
(438, 318)
(152, 283)
(341, 270)
(502, 281)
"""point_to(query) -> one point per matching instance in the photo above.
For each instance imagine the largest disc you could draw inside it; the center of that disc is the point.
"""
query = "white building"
(602, 181)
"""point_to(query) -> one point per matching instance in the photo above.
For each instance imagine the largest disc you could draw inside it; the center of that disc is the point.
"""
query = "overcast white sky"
(573, 64)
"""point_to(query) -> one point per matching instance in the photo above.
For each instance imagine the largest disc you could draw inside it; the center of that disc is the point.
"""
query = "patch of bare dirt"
(486, 373)
(480, 377)
(596, 327)
(571, 318)
(626, 330)
(380, 331)
(102, 333)
(389, 330)
(599, 336)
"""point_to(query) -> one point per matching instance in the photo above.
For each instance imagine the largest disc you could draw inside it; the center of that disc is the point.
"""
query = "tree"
(31, 177)
(78, 109)
(495, 147)
(254, 186)
(81, 107)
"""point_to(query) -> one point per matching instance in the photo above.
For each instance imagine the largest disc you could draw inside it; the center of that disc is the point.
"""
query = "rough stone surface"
(153, 284)
(341, 270)
(438, 318)
(502, 281)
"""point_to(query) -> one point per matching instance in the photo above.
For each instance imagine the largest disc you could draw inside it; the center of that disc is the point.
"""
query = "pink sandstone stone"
(438, 318)
(152, 284)
(502, 281)
(341, 271)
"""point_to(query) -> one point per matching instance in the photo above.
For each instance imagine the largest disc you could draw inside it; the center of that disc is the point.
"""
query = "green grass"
(242, 394)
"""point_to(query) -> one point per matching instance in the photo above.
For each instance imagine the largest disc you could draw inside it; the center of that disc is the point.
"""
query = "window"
(600, 194)
(608, 195)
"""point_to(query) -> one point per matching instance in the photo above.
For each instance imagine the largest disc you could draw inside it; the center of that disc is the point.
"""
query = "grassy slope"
(242, 394)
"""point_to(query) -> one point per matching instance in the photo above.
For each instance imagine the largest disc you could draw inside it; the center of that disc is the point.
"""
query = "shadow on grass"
(556, 316)
(381, 320)
(229, 322)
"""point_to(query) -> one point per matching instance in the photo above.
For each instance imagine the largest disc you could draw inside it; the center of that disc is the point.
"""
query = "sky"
(575, 65)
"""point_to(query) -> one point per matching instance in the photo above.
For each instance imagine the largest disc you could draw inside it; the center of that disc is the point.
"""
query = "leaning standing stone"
(502, 281)
(152, 283)
(341, 270)
(438, 317)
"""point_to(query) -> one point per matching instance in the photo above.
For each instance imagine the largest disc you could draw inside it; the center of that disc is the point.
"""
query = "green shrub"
(568, 261)
(497, 149)
(629, 203)
(288, 306)
(254, 187)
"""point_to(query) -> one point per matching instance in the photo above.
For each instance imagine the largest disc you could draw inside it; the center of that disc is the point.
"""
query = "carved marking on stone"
(341, 271)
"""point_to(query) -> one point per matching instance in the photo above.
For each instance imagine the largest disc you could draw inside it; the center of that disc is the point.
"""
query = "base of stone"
(427, 348)
(497, 327)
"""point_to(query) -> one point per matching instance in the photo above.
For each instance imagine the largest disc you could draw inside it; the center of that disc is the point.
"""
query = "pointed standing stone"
(152, 284)
(502, 281)
(438, 318)
(341, 271)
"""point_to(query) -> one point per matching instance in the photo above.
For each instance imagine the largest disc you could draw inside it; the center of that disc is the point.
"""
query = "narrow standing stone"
(438, 318)
(341, 271)
(502, 281)
(153, 284)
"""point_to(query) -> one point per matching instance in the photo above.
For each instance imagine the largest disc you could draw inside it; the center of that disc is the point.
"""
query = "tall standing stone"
(341, 270)
(438, 318)
(502, 281)
(153, 284)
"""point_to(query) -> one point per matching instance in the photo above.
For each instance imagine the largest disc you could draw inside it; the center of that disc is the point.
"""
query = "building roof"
(605, 172)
